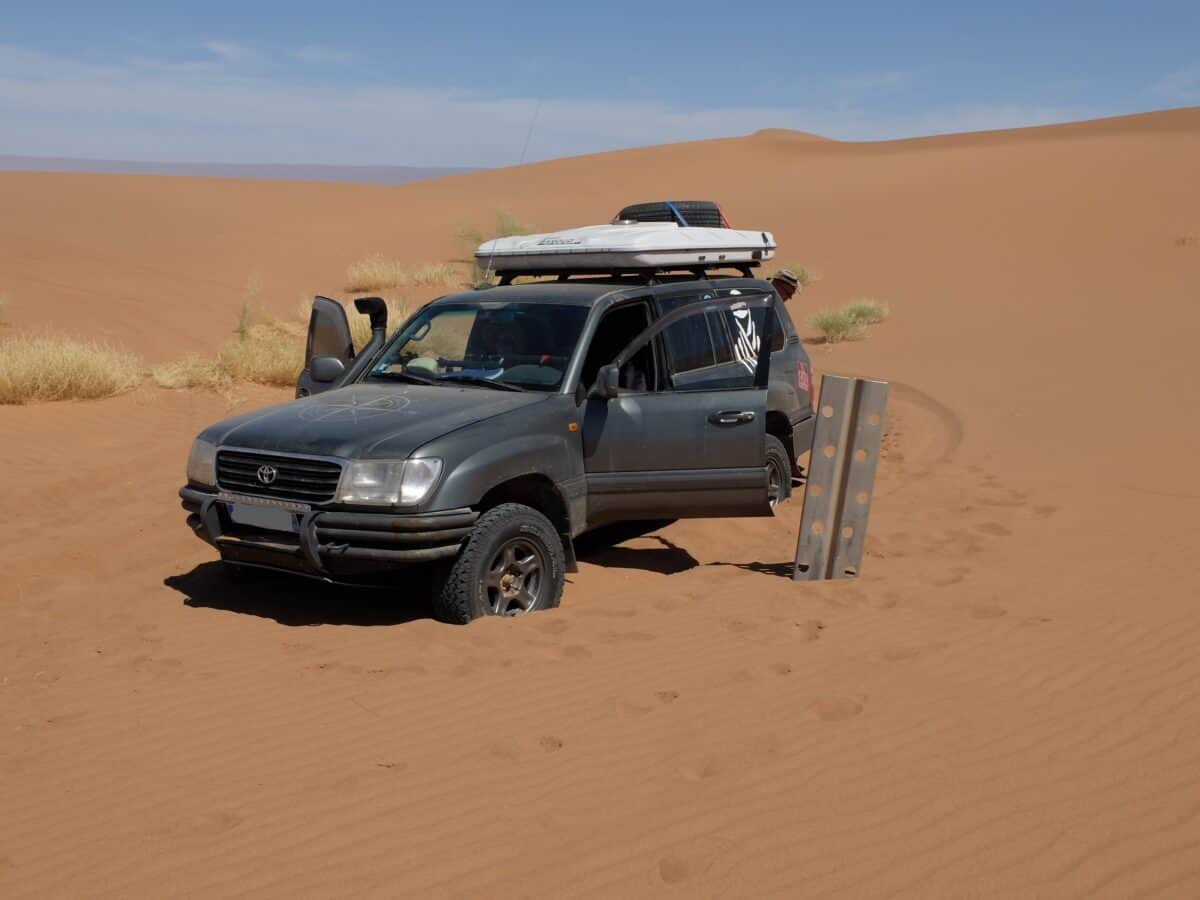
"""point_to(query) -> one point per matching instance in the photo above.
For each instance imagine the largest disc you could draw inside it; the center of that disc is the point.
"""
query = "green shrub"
(836, 325)
(867, 311)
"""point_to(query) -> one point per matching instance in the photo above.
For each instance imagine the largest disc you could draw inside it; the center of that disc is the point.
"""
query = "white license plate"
(265, 517)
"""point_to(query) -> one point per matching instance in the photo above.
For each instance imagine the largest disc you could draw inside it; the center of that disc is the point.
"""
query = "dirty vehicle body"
(497, 425)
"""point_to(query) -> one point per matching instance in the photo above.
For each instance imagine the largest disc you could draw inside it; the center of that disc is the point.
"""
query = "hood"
(366, 421)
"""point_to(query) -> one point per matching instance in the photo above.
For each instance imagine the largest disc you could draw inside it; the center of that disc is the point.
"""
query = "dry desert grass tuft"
(193, 370)
(374, 273)
(471, 236)
(264, 350)
(48, 367)
(377, 273)
(270, 352)
(431, 274)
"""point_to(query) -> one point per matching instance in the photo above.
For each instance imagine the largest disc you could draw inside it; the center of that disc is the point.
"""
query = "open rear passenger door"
(672, 450)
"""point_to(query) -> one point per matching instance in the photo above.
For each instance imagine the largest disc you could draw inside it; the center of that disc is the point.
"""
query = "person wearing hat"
(785, 283)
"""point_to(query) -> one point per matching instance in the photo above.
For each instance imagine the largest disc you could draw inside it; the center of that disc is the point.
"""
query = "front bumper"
(335, 545)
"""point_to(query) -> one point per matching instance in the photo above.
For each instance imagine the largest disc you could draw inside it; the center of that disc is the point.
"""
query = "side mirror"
(607, 381)
(326, 369)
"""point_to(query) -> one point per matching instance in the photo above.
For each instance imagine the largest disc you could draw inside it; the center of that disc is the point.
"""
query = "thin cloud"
(316, 54)
(1180, 86)
(229, 51)
(54, 106)
(867, 84)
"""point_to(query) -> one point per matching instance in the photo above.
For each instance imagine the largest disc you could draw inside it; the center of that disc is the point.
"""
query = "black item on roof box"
(694, 213)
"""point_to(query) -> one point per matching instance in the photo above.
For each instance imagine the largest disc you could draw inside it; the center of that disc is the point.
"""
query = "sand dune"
(1005, 704)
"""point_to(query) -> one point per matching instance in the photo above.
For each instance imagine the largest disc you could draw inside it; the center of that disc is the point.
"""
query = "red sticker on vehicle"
(803, 381)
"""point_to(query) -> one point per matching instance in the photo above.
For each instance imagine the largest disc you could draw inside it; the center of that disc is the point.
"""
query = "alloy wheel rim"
(514, 579)
(774, 484)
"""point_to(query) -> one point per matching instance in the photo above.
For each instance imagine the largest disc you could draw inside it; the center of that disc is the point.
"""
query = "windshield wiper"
(403, 375)
(482, 382)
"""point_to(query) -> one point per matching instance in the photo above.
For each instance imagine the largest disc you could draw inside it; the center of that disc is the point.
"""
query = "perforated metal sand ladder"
(841, 478)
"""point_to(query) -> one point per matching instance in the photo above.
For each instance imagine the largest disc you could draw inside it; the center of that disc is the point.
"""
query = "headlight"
(388, 483)
(202, 463)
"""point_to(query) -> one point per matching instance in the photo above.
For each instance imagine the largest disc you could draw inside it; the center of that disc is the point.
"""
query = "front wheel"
(511, 564)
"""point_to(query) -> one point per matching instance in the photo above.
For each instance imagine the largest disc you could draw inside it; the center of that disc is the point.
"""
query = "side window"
(618, 327)
(779, 337)
(690, 345)
(745, 328)
(696, 347)
(722, 347)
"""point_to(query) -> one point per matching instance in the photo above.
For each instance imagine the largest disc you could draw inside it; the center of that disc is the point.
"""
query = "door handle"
(732, 417)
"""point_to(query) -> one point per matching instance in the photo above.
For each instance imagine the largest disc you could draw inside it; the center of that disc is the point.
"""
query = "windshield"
(513, 346)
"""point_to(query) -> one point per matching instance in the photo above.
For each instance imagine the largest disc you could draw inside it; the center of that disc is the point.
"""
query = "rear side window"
(713, 351)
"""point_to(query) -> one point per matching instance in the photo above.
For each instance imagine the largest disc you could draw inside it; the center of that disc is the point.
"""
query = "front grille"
(296, 478)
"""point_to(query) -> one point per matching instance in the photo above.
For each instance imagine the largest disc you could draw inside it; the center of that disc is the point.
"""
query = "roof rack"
(649, 275)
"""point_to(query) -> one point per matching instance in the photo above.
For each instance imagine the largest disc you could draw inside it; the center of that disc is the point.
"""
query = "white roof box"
(624, 247)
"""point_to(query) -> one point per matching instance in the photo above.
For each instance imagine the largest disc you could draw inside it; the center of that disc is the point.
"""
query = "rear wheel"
(779, 471)
(511, 564)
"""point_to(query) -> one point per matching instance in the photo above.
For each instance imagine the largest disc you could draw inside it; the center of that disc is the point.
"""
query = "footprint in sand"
(890, 600)
(988, 611)
(667, 696)
(144, 663)
(550, 744)
(995, 529)
(739, 626)
(835, 709)
(621, 637)
(780, 668)
(553, 626)
(217, 823)
(1043, 511)
(612, 612)
(906, 652)
(950, 577)
(709, 767)
(810, 630)
(692, 860)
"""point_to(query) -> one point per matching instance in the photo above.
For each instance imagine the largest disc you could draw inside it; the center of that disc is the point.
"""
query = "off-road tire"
(462, 593)
(779, 470)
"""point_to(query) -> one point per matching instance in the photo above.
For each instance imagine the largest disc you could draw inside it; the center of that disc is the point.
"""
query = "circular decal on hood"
(354, 408)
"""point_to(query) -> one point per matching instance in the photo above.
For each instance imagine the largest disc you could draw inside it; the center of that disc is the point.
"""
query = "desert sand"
(1006, 703)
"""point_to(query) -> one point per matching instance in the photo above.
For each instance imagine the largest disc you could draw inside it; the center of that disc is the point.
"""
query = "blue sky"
(460, 84)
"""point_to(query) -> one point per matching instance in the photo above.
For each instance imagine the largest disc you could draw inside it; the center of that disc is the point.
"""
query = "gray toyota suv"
(498, 424)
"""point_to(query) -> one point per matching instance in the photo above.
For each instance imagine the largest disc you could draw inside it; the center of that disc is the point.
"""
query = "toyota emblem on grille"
(267, 474)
